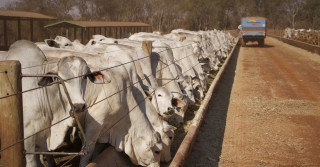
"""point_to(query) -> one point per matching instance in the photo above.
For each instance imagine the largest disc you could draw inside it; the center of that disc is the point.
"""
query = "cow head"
(167, 137)
(196, 49)
(146, 150)
(98, 40)
(197, 87)
(59, 42)
(74, 72)
(180, 104)
(186, 88)
(162, 100)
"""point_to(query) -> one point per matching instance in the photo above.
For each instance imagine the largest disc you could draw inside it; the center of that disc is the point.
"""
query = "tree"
(293, 7)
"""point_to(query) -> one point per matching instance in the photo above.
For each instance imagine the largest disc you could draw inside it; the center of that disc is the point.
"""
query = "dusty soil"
(265, 112)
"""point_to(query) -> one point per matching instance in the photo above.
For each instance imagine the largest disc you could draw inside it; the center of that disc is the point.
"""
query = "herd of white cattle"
(294, 33)
(123, 94)
(310, 36)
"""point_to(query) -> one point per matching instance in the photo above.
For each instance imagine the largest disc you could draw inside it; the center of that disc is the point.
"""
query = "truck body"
(253, 29)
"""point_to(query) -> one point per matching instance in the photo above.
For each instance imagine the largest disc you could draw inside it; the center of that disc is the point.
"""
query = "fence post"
(11, 118)
(182, 39)
(147, 47)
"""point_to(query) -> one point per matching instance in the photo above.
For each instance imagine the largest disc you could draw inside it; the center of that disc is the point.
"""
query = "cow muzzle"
(79, 107)
(170, 111)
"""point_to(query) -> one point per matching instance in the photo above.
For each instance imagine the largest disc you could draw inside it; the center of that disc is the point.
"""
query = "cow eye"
(157, 152)
(159, 95)
(170, 138)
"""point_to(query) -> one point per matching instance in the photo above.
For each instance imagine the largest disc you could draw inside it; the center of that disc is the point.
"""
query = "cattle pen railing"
(11, 116)
(186, 146)
(303, 45)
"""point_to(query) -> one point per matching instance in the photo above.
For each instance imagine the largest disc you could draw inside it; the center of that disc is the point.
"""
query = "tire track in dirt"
(269, 116)
(296, 73)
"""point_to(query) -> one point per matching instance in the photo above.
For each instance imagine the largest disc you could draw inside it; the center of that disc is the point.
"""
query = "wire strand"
(145, 77)
(21, 140)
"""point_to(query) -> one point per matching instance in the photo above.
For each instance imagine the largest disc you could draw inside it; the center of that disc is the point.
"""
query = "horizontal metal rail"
(185, 147)
(299, 44)
(56, 153)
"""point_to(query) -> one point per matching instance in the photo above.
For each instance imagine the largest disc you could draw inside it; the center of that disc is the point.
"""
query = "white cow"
(161, 99)
(165, 130)
(161, 69)
(185, 81)
(63, 42)
(115, 118)
(112, 52)
(47, 106)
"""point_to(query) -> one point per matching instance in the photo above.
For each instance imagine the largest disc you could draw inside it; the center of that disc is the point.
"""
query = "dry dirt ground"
(265, 112)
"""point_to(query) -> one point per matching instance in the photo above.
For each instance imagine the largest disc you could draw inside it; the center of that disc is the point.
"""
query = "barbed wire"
(83, 76)
(144, 78)
(74, 51)
(107, 97)
(106, 131)
(21, 140)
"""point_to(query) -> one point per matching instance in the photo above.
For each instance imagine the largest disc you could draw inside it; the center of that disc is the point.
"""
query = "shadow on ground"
(255, 45)
(207, 148)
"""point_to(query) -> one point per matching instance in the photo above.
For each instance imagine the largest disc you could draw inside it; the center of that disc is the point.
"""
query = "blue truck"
(253, 29)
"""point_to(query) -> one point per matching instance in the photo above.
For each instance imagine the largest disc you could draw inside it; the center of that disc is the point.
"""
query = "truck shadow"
(255, 45)
(208, 146)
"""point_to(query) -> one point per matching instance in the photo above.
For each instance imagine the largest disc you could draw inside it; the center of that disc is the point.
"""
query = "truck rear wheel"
(261, 43)
(243, 42)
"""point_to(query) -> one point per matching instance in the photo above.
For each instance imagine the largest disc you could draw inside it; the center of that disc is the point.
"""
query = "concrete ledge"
(185, 148)
(299, 44)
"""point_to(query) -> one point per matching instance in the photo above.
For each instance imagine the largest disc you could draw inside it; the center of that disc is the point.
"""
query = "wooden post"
(182, 39)
(88, 33)
(94, 31)
(74, 32)
(67, 32)
(118, 32)
(82, 35)
(147, 47)
(5, 32)
(105, 31)
(11, 118)
(31, 30)
(19, 28)
(114, 33)
(110, 32)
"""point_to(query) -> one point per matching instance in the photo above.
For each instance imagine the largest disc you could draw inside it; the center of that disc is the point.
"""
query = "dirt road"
(265, 112)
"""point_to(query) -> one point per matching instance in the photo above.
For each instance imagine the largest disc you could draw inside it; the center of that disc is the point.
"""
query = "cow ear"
(178, 103)
(168, 128)
(148, 93)
(47, 80)
(188, 79)
(99, 77)
(195, 79)
(51, 43)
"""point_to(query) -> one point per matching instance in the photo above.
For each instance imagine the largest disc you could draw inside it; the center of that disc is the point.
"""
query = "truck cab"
(253, 29)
